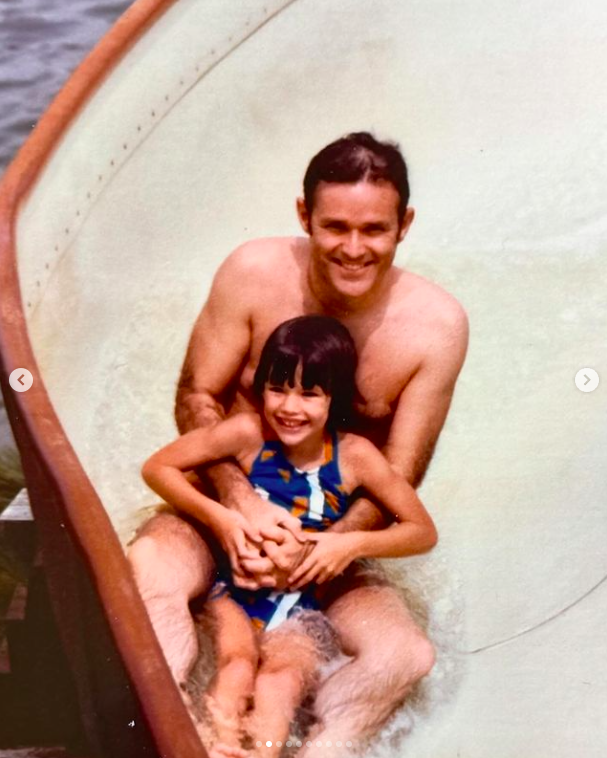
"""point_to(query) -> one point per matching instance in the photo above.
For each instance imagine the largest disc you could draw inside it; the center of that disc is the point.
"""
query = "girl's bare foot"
(227, 730)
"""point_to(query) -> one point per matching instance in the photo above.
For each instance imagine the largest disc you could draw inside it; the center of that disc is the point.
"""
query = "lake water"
(41, 43)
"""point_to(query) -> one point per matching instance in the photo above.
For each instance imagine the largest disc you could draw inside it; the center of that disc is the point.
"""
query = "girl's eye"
(276, 389)
(311, 393)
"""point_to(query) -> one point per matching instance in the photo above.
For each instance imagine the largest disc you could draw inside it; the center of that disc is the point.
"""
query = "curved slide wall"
(198, 141)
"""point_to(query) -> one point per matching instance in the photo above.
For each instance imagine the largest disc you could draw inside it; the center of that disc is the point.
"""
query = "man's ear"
(406, 223)
(303, 216)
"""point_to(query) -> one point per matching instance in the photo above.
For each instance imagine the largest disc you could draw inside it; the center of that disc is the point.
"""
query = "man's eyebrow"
(375, 225)
(324, 220)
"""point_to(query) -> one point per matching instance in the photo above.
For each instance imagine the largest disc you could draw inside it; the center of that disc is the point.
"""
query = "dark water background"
(41, 43)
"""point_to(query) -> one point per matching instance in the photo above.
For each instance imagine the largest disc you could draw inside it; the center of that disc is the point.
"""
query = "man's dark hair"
(354, 158)
(325, 350)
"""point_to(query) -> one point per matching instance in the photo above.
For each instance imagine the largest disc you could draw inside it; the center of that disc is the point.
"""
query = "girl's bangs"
(284, 371)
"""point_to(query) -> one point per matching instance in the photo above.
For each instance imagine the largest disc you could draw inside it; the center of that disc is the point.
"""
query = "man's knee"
(368, 614)
(169, 557)
(403, 663)
(420, 659)
(425, 656)
(404, 657)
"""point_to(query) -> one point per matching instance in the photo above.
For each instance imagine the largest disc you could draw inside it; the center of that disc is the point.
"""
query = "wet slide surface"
(40, 45)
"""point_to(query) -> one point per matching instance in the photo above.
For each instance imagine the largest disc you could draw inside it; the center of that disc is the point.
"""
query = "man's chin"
(353, 291)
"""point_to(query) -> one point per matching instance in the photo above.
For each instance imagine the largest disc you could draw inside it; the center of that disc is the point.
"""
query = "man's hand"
(362, 516)
(331, 555)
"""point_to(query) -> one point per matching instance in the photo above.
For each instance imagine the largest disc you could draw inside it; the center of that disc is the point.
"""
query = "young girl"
(294, 456)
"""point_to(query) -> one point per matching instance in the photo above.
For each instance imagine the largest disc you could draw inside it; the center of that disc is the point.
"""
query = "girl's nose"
(290, 403)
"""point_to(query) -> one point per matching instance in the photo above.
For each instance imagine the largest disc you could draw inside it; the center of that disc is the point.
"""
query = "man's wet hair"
(326, 352)
(355, 158)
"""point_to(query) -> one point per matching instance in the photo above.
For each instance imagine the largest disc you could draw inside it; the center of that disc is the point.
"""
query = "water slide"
(186, 132)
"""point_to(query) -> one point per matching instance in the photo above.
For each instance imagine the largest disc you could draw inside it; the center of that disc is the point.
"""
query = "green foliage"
(12, 568)
(11, 476)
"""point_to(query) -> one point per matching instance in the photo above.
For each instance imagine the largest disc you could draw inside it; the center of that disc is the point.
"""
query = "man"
(411, 337)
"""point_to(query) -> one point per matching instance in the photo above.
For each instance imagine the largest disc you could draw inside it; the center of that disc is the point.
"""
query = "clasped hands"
(268, 548)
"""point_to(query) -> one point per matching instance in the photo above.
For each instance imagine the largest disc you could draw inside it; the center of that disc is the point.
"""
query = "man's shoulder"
(431, 302)
(258, 276)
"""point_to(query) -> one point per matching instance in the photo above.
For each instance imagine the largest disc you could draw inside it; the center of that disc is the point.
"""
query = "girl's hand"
(284, 544)
(331, 555)
(239, 539)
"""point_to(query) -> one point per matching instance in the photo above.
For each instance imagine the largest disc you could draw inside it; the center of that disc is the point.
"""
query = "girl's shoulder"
(248, 422)
(250, 430)
(354, 447)
(356, 455)
(247, 430)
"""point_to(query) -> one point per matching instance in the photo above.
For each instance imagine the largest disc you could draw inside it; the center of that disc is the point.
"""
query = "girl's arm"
(414, 531)
(165, 471)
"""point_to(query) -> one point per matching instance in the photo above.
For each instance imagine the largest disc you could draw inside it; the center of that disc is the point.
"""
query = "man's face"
(354, 230)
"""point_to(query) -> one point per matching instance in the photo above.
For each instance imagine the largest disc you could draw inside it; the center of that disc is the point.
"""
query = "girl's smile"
(297, 415)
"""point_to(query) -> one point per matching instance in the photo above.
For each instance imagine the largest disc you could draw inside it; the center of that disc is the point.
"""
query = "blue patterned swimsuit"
(317, 498)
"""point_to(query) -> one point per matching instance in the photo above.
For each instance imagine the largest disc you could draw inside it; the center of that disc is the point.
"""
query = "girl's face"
(296, 415)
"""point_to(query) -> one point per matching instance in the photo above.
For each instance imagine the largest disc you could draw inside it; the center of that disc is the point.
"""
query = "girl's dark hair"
(325, 349)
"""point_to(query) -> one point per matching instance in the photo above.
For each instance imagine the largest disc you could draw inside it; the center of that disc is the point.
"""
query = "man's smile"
(351, 265)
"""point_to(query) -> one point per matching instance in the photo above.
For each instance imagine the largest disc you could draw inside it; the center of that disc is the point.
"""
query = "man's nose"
(353, 245)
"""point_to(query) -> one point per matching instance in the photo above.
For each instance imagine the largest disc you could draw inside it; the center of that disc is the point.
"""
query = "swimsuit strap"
(329, 470)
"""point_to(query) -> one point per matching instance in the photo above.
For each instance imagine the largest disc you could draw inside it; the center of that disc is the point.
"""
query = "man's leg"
(391, 654)
(172, 565)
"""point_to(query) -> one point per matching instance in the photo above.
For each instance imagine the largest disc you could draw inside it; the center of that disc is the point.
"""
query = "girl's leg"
(237, 657)
(288, 670)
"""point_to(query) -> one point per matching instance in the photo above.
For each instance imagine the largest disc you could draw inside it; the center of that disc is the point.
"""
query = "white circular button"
(587, 380)
(20, 380)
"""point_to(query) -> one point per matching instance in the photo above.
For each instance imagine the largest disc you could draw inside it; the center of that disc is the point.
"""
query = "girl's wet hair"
(325, 349)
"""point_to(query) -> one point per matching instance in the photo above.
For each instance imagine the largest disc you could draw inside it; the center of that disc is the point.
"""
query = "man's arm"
(362, 516)
(217, 350)
(422, 409)
(425, 400)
